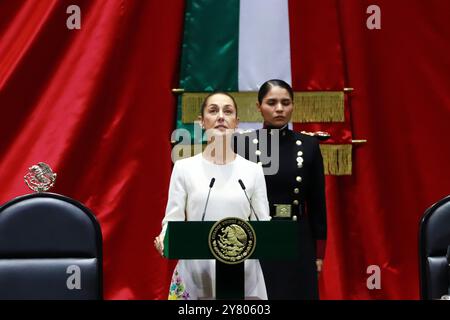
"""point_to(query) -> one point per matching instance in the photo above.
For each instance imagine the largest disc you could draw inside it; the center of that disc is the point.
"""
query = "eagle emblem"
(232, 240)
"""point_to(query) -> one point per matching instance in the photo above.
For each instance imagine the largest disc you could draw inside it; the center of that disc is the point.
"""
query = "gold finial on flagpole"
(360, 141)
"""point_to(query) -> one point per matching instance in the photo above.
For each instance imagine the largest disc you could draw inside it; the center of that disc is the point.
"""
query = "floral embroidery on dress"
(177, 289)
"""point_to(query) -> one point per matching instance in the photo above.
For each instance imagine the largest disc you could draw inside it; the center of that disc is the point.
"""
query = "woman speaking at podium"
(217, 171)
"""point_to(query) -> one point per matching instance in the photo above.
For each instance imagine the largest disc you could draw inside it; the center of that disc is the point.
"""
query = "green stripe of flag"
(210, 49)
(210, 46)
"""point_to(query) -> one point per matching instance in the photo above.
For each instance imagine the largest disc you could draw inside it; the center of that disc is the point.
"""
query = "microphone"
(211, 184)
(245, 192)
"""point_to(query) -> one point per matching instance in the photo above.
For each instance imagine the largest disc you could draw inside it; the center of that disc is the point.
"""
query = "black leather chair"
(434, 241)
(50, 248)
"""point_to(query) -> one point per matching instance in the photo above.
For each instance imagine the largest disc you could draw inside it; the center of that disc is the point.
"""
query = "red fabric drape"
(96, 105)
(317, 59)
(401, 104)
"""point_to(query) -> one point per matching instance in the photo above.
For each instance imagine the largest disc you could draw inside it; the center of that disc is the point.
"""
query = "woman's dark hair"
(266, 86)
(213, 94)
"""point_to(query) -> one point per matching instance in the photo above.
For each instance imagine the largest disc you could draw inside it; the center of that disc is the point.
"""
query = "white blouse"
(188, 190)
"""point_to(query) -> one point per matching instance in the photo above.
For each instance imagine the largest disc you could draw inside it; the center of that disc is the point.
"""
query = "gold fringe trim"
(246, 101)
(337, 159)
(319, 106)
(311, 106)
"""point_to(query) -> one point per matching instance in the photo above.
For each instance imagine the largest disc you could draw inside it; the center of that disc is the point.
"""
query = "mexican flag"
(237, 45)
(234, 46)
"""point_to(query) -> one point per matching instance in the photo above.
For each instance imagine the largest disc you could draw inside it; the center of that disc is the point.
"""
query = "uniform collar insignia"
(283, 130)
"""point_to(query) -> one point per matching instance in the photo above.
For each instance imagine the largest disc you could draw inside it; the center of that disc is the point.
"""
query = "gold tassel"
(310, 106)
(337, 159)
(190, 106)
(318, 106)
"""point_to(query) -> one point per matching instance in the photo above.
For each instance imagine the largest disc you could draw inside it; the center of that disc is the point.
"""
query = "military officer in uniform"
(294, 174)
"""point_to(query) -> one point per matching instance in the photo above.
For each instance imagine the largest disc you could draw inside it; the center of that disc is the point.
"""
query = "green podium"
(275, 240)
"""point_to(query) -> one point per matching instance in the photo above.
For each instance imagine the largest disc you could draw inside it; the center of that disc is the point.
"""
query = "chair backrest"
(434, 239)
(50, 248)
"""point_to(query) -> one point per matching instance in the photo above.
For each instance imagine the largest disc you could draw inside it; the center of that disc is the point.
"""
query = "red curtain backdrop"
(401, 105)
(96, 104)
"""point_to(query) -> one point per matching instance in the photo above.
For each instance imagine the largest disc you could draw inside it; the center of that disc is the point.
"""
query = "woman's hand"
(319, 264)
(159, 244)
